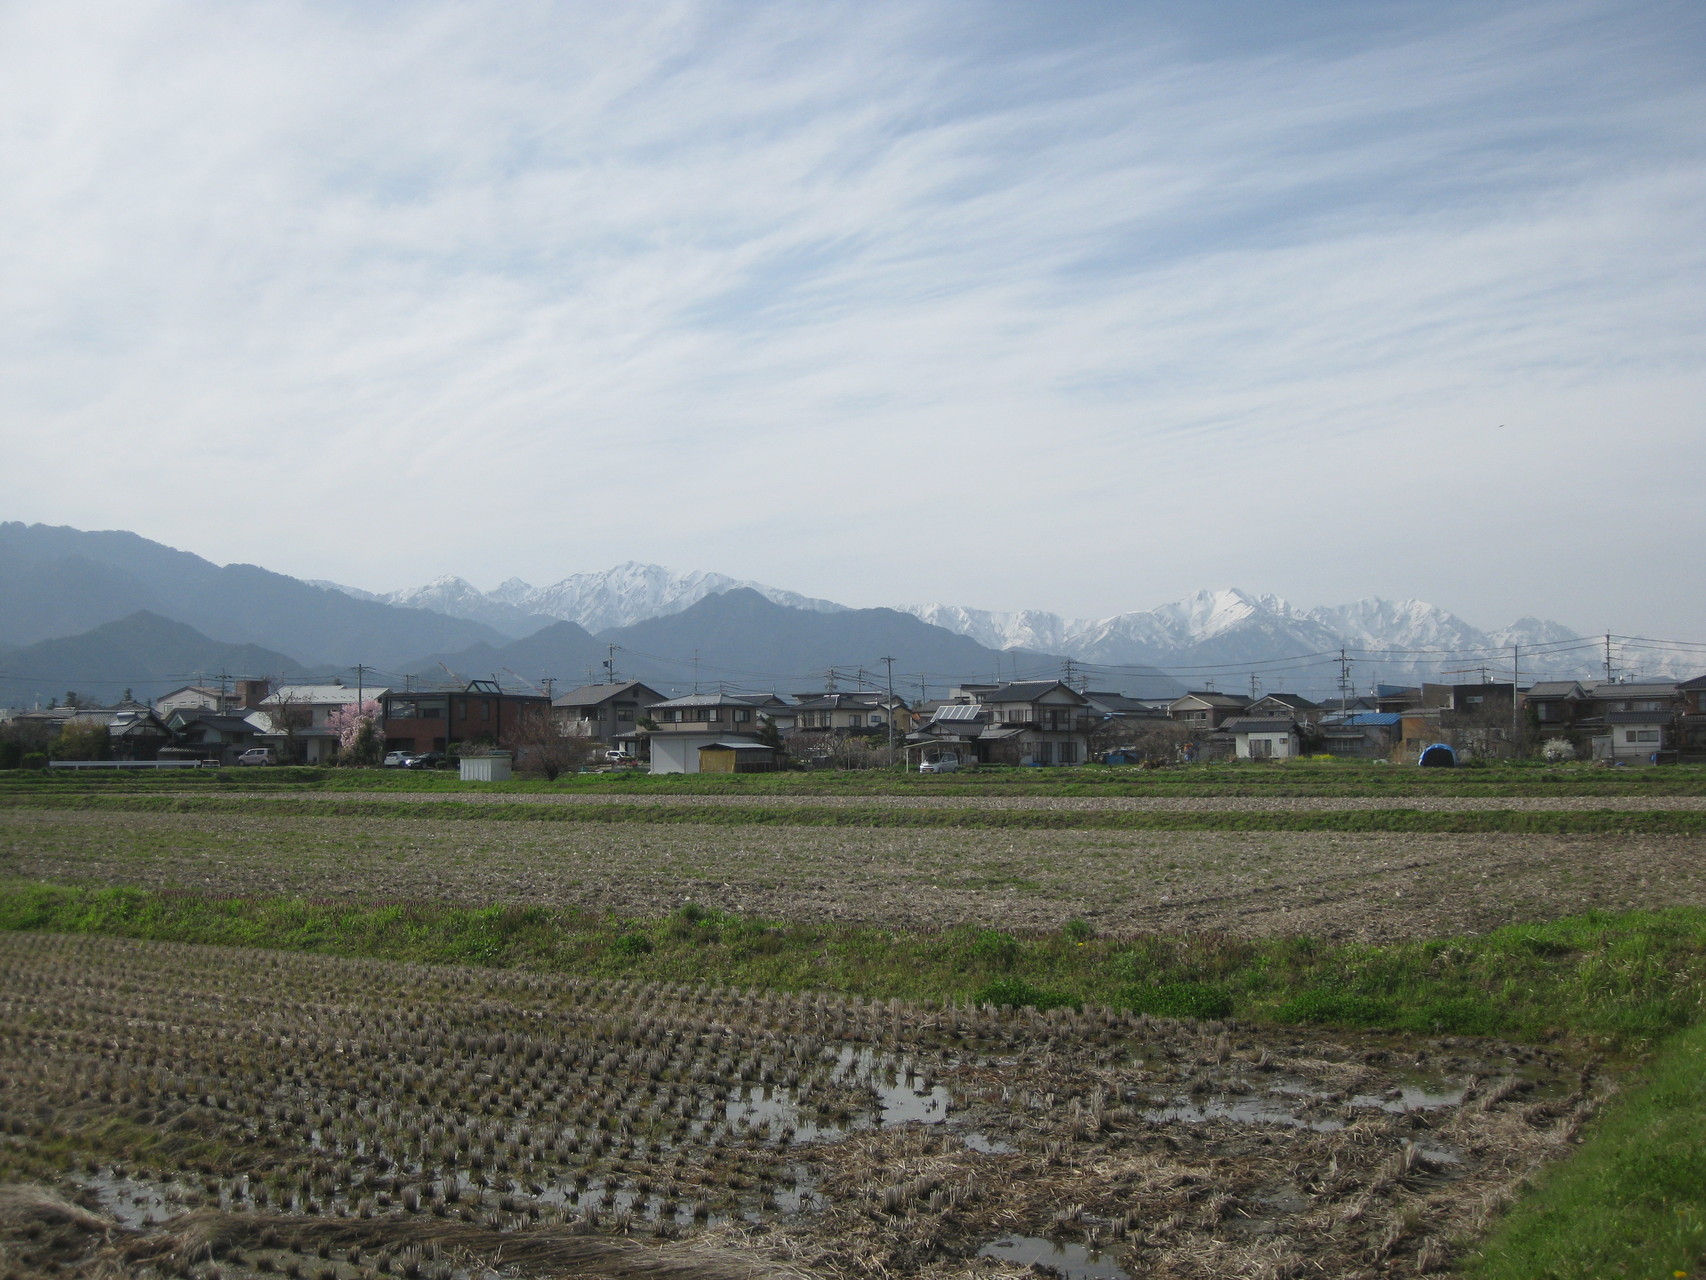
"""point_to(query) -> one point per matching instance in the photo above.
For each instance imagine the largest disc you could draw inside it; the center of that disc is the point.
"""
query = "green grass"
(1401, 820)
(1620, 981)
(1300, 778)
(1632, 1200)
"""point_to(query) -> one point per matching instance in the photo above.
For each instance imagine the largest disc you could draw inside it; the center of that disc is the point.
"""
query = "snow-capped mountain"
(617, 597)
(1206, 634)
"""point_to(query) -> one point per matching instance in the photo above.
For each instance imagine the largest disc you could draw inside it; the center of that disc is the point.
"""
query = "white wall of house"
(1636, 741)
(1265, 746)
(186, 700)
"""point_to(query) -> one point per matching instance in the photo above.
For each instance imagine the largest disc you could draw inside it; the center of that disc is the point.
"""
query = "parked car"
(428, 760)
(939, 764)
(256, 755)
(398, 759)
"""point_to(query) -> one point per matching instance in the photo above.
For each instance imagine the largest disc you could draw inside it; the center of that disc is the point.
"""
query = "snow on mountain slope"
(616, 597)
(462, 599)
(1388, 640)
(1210, 630)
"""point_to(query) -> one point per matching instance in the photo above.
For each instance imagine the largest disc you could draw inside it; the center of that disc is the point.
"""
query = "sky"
(1077, 307)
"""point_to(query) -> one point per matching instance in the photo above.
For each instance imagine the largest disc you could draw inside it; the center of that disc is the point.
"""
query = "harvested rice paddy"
(245, 1113)
(1369, 886)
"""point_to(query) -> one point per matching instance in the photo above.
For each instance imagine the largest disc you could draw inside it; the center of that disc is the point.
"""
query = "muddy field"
(1368, 886)
(198, 1111)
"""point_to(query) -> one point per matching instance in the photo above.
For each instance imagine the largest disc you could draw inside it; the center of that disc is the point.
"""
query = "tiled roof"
(1258, 724)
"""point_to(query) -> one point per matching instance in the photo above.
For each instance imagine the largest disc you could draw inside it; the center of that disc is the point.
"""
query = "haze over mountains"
(1203, 631)
(85, 612)
(100, 611)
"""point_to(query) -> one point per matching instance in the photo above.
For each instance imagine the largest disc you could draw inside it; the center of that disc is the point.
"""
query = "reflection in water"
(1072, 1261)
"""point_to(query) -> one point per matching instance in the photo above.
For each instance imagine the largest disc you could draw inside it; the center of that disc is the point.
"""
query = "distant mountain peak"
(619, 596)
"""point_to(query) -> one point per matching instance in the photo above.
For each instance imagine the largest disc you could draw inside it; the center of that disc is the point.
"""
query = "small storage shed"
(1263, 737)
(488, 768)
(736, 757)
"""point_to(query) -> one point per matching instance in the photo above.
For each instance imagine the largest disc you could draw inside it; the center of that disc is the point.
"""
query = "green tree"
(83, 740)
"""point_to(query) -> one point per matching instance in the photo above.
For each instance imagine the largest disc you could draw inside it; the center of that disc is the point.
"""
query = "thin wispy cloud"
(879, 302)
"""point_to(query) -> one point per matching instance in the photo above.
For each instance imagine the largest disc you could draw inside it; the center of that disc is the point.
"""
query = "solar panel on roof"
(959, 711)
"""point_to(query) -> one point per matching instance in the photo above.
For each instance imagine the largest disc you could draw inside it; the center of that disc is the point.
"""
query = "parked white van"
(256, 755)
(939, 764)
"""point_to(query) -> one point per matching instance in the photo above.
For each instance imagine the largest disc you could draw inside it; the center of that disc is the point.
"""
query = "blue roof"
(1387, 718)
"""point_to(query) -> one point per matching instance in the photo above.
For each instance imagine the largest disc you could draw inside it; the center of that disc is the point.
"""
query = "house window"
(741, 715)
(625, 713)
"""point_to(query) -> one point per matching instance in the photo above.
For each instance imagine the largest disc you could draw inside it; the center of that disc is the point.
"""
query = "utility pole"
(610, 665)
(696, 671)
(549, 682)
(1516, 705)
(1254, 683)
(888, 711)
(1344, 684)
(1609, 678)
(361, 686)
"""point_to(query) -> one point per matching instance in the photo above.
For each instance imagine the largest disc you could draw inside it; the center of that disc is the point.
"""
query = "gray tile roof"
(713, 700)
(590, 695)
(1027, 691)
(1258, 724)
(1555, 689)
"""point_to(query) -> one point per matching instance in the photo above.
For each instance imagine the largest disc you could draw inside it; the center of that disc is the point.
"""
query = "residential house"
(1286, 706)
(191, 697)
(1473, 719)
(859, 712)
(1263, 737)
(242, 695)
(1634, 721)
(1555, 707)
(1125, 729)
(134, 732)
(295, 719)
(1691, 723)
(1363, 735)
(685, 725)
(444, 718)
(951, 732)
(211, 735)
(606, 713)
(1035, 722)
(1206, 709)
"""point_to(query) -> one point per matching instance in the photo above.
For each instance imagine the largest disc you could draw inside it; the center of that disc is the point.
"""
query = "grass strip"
(1299, 778)
(1632, 1200)
(1618, 981)
(1535, 822)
